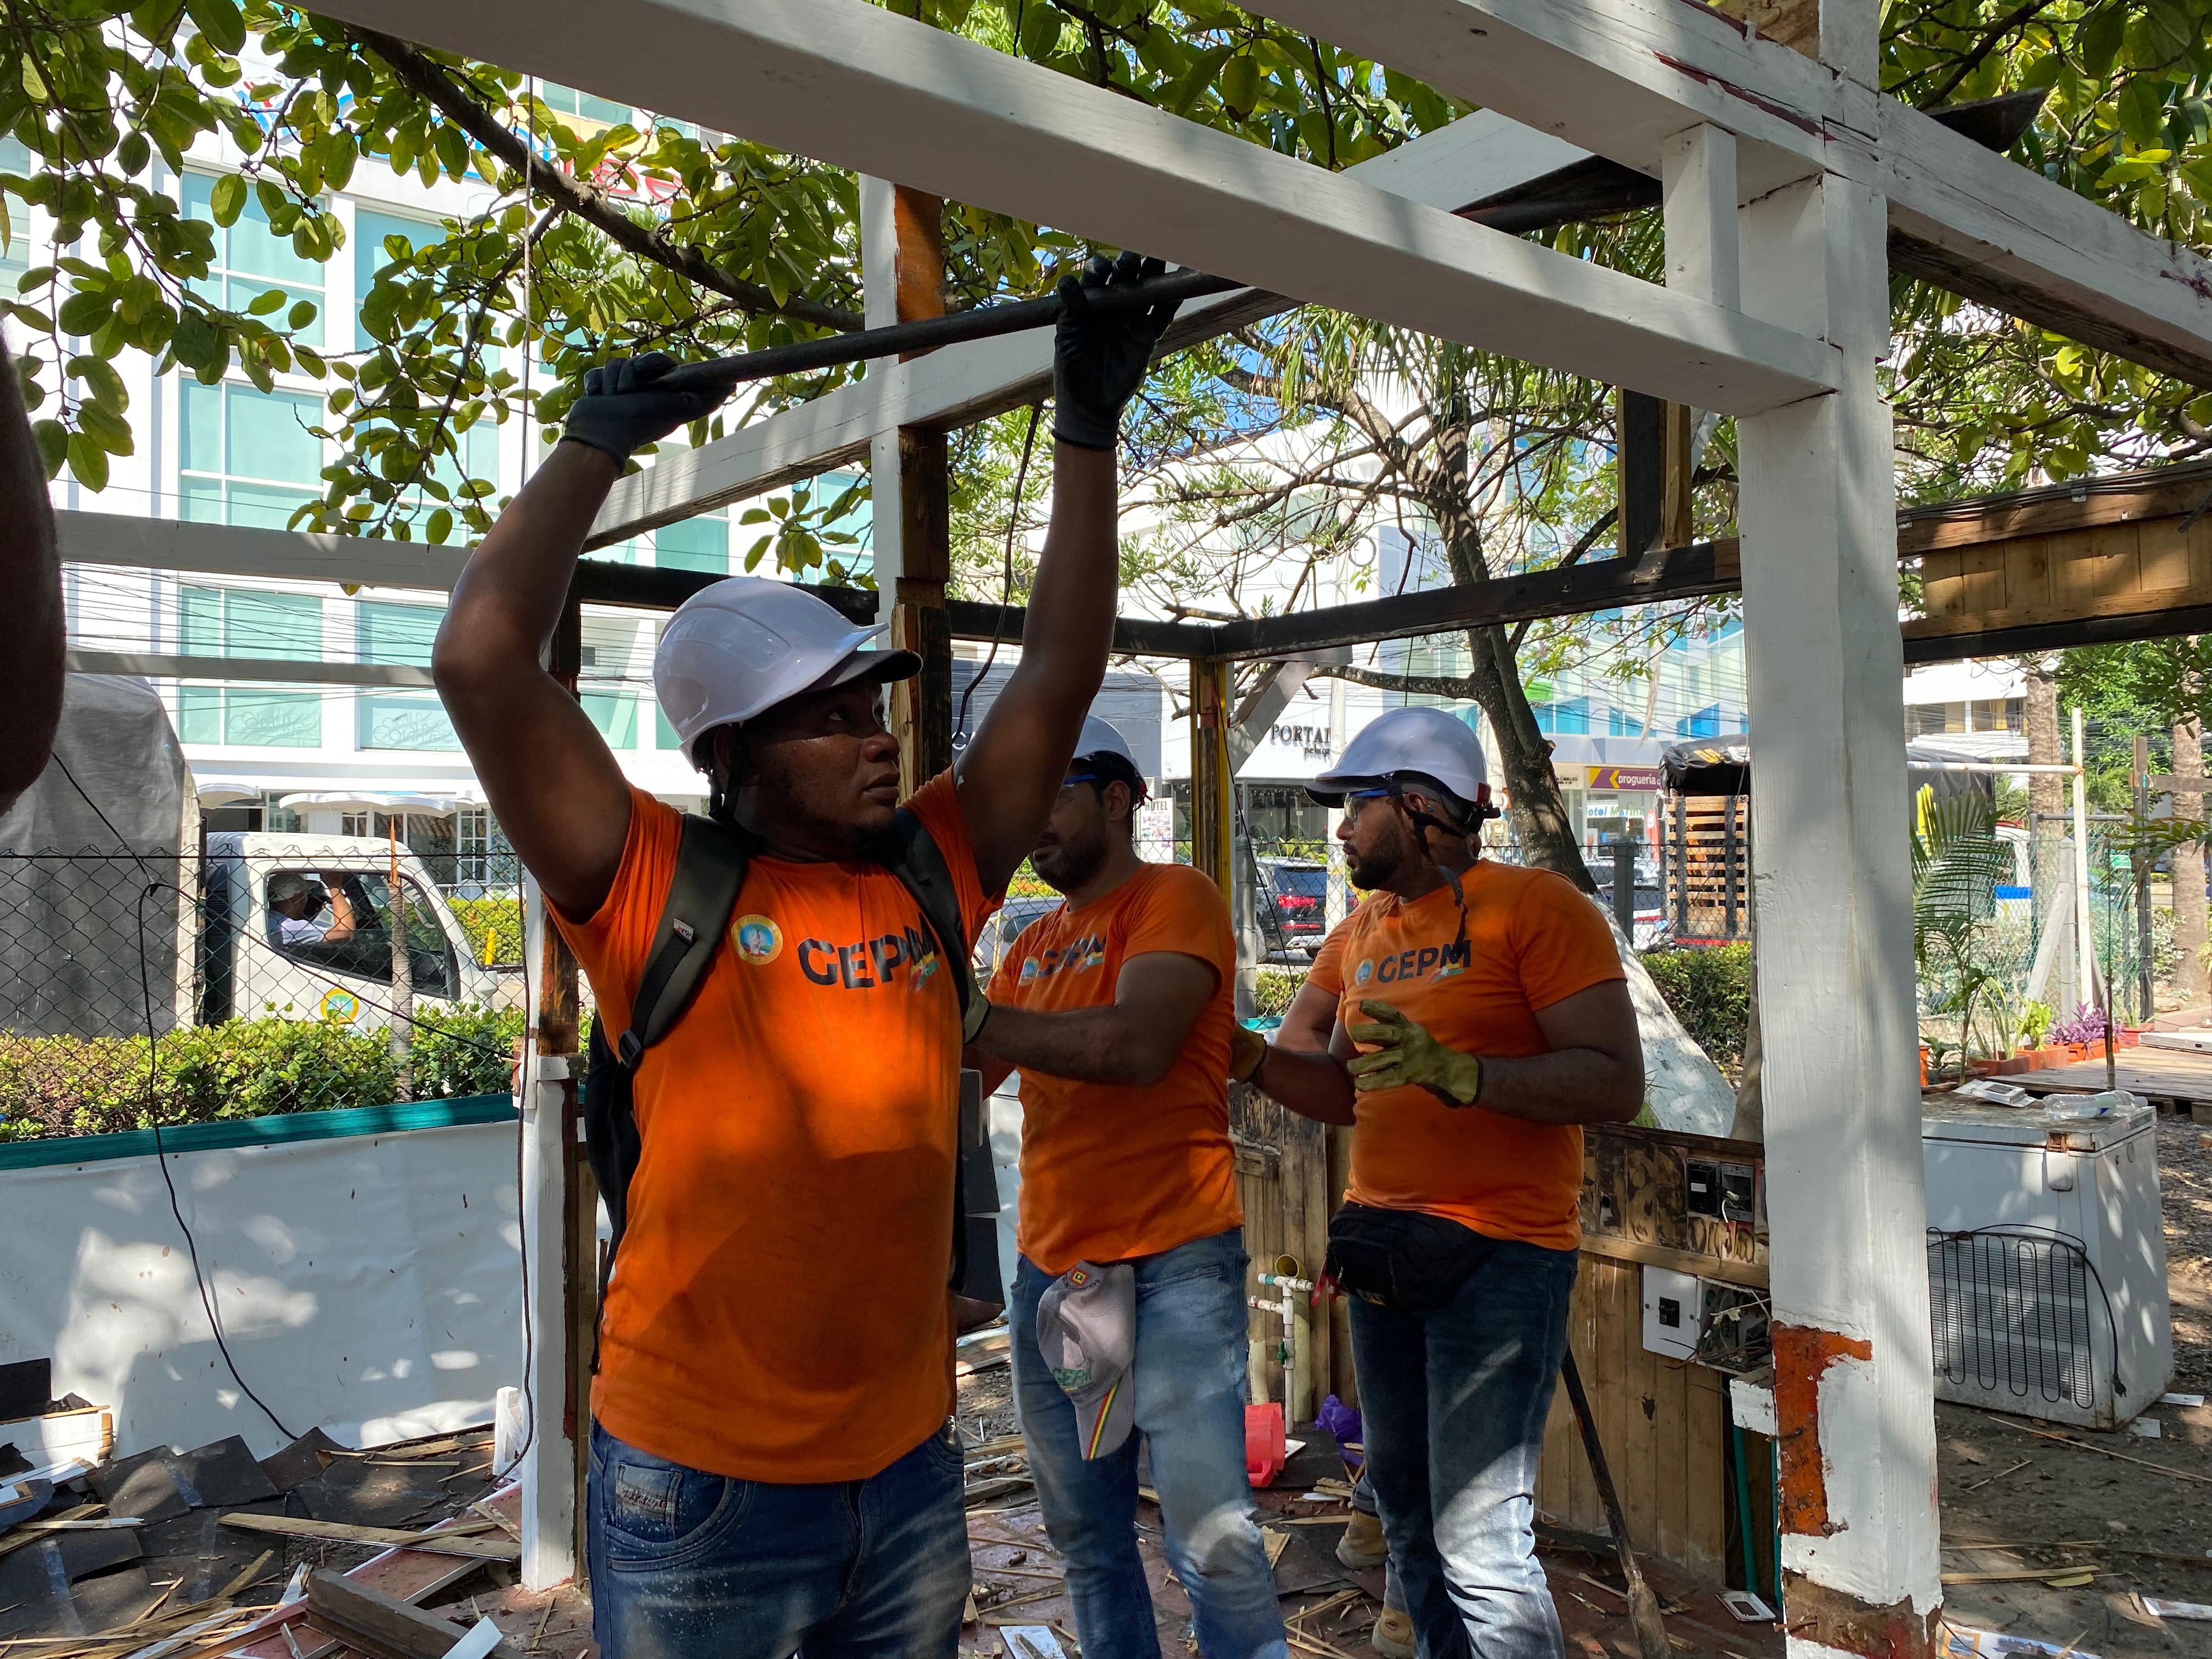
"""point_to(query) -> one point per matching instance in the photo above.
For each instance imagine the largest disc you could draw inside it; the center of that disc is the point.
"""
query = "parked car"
(1014, 918)
(1295, 891)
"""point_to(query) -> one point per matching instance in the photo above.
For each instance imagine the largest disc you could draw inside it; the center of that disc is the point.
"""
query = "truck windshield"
(341, 920)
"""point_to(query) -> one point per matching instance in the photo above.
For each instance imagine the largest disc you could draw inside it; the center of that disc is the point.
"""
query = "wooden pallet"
(2179, 1085)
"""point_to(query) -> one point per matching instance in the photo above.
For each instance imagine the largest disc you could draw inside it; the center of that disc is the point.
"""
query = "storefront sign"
(1311, 741)
(1625, 777)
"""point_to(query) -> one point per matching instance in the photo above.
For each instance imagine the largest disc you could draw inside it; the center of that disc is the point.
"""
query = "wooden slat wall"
(1663, 1423)
(2103, 570)
(1283, 1178)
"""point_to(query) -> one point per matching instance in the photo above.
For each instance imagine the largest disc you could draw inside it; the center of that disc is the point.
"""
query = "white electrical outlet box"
(1674, 1312)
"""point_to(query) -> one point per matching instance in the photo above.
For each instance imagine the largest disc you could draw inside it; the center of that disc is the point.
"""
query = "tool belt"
(1403, 1260)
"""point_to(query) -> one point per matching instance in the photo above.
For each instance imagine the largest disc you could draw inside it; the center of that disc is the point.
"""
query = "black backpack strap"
(711, 861)
(920, 865)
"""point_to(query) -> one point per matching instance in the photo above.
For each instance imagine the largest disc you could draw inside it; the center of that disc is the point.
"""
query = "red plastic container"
(1264, 1450)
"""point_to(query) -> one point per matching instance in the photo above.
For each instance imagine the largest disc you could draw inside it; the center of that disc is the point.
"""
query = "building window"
(15, 258)
(701, 543)
(1571, 716)
(400, 635)
(248, 457)
(238, 622)
(1706, 723)
(567, 101)
(250, 260)
(615, 713)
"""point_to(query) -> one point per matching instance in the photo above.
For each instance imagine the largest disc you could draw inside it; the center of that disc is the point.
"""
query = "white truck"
(300, 926)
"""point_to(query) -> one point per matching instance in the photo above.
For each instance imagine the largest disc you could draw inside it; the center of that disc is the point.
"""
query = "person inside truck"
(296, 902)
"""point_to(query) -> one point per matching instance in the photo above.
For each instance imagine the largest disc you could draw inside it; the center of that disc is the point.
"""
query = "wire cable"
(1007, 592)
(153, 885)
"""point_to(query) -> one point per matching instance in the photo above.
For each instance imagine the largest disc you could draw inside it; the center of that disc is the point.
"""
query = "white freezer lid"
(1944, 1118)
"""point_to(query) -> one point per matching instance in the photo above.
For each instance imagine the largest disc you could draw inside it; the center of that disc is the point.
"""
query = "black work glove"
(620, 411)
(1099, 358)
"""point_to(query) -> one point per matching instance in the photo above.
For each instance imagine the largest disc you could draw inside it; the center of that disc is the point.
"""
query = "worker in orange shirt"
(1307, 1026)
(773, 1469)
(1485, 1019)
(1128, 1304)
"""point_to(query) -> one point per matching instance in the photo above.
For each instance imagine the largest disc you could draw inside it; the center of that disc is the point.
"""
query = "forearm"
(1313, 1086)
(510, 595)
(1110, 1044)
(1069, 622)
(1568, 1085)
(30, 590)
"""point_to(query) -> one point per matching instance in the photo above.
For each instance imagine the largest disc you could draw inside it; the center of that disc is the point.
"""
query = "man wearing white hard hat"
(1484, 1019)
(772, 1465)
(1117, 1009)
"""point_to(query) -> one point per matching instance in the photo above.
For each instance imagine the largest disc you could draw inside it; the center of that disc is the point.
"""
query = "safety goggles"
(1356, 799)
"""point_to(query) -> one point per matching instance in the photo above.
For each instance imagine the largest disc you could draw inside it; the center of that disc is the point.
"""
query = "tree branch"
(1425, 685)
(581, 197)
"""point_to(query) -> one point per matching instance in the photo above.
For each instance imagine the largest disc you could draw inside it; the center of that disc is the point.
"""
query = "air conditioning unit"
(2046, 1259)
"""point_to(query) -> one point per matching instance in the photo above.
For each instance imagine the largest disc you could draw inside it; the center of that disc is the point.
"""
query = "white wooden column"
(549, 1480)
(879, 306)
(1854, 1387)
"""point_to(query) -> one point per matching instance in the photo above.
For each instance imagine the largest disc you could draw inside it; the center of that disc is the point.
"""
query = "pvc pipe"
(2084, 944)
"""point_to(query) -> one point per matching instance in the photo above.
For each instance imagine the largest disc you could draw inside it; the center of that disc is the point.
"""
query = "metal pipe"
(2084, 950)
(926, 333)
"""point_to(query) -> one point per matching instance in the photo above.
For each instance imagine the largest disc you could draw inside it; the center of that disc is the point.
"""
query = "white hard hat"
(1101, 737)
(1427, 741)
(746, 643)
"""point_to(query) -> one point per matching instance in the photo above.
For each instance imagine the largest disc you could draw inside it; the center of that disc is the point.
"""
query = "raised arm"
(30, 599)
(549, 777)
(1011, 769)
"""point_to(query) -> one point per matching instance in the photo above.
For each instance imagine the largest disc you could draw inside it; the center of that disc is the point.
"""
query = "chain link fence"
(253, 974)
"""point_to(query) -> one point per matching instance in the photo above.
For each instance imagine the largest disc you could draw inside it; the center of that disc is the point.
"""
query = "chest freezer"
(2046, 1259)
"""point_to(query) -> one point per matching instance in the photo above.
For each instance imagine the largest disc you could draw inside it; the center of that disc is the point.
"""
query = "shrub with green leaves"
(1709, 988)
(67, 1085)
(501, 918)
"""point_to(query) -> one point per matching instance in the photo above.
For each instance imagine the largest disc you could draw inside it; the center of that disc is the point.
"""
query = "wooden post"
(903, 279)
(1854, 1390)
(1641, 468)
(560, 1229)
(2085, 938)
(1210, 779)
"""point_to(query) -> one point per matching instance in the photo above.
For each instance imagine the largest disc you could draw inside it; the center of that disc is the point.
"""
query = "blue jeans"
(685, 1564)
(1189, 1378)
(1453, 1402)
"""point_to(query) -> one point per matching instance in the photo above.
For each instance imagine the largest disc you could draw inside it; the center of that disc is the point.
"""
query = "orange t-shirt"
(1112, 1170)
(1532, 940)
(779, 1308)
(1326, 971)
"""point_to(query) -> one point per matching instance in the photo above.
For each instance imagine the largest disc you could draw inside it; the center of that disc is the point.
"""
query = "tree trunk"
(2189, 915)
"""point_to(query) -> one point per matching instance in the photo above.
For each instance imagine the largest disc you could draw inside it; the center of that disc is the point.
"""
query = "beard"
(1068, 865)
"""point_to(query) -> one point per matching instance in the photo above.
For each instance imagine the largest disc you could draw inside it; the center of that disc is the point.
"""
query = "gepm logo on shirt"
(1445, 961)
(1080, 957)
(867, 963)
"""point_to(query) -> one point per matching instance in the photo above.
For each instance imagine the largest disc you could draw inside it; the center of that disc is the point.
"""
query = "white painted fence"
(365, 1265)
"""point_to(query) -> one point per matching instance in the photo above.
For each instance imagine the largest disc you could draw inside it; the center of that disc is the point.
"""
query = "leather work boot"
(1393, 1636)
(1362, 1545)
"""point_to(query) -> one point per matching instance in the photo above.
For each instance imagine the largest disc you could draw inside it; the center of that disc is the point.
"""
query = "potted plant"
(2082, 1031)
(1957, 861)
(2036, 1018)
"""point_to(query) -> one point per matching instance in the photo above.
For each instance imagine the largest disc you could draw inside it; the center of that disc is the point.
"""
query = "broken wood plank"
(387, 1621)
(453, 1540)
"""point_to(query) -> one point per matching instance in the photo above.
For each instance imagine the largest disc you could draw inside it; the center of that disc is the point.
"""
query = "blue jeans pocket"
(656, 1514)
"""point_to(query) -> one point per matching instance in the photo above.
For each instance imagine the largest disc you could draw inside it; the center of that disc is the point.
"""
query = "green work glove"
(1408, 1054)
(621, 412)
(1099, 358)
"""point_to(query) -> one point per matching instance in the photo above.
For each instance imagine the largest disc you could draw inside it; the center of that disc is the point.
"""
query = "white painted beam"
(1855, 1377)
(550, 1486)
(224, 550)
(1698, 169)
(859, 87)
(158, 665)
(1622, 77)
(1472, 159)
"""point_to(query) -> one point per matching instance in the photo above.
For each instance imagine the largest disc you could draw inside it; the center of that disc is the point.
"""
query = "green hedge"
(1709, 988)
(1273, 989)
(65, 1085)
(500, 917)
